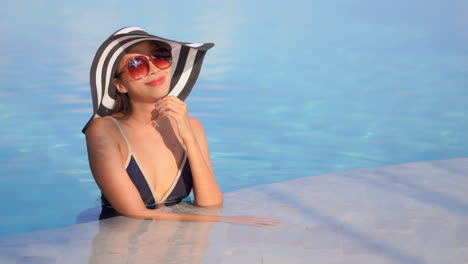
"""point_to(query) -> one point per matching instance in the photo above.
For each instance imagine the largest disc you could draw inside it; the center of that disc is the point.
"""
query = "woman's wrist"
(189, 138)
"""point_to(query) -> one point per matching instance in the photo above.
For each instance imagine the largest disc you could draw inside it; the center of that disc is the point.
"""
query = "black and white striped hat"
(187, 59)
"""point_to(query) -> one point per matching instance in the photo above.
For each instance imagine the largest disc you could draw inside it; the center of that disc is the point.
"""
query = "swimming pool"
(288, 91)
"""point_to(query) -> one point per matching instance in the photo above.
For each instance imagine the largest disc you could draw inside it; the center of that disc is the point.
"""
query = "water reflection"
(126, 240)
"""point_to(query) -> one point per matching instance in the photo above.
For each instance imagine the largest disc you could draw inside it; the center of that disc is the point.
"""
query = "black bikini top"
(179, 189)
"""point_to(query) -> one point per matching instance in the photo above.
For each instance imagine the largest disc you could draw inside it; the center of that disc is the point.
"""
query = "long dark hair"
(122, 103)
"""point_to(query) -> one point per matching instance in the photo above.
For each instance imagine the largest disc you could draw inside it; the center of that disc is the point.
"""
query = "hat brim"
(187, 62)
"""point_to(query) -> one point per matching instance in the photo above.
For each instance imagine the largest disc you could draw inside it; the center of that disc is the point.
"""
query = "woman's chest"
(160, 164)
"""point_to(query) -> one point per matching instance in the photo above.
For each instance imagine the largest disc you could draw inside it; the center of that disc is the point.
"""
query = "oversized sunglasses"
(138, 67)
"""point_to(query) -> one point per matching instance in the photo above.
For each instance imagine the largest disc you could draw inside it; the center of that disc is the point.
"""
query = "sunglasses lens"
(138, 67)
(162, 58)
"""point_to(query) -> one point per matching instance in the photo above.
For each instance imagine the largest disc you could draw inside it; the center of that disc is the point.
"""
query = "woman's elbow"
(219, 203)
(136, 213)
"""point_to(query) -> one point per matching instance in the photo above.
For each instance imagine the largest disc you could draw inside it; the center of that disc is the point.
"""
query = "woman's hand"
(175, 109)
(250, 220)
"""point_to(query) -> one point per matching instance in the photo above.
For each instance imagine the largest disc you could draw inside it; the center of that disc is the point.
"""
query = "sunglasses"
(138, 67)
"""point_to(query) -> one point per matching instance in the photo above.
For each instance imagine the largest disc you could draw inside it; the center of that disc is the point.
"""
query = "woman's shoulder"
(196, 123)
(101, 126)
(197, 126)
(100, 123)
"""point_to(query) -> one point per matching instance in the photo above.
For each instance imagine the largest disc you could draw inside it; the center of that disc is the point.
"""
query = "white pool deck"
(408, 213)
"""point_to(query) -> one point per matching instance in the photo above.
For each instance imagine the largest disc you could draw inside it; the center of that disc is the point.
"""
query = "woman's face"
(148, 88)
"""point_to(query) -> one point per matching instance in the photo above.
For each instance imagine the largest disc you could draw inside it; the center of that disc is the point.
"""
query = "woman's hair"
(122, 103)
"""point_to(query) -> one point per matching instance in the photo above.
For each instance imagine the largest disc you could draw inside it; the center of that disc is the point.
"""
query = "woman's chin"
(156, 95)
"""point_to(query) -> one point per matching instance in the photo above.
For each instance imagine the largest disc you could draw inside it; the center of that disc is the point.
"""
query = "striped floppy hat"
(187, 61)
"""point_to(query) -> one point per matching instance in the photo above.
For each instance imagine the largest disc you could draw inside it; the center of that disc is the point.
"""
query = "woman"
(144, 149)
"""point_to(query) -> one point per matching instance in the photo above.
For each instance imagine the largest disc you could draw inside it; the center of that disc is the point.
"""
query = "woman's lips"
(157, 82)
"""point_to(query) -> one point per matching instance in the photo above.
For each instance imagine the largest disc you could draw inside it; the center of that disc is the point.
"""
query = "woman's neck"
(144, 117)
(143, 114)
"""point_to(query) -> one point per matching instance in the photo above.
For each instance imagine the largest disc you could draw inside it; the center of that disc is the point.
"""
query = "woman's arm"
(109, 172)
(108, 168)
(205, 187)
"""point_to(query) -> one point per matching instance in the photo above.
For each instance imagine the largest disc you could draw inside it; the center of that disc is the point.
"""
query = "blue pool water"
(290, 90)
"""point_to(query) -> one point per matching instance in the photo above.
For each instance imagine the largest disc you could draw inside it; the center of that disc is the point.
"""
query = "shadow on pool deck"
(408, 213)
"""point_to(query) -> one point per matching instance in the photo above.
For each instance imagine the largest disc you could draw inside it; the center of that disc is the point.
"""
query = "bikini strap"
(123, 134)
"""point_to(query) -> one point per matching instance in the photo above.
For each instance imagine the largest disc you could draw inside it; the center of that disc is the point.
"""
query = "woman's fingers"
(252, 220)
(181, 113)
(256, 221)
(170, 101)
(171, 106)
(171, 114)
(261, 221)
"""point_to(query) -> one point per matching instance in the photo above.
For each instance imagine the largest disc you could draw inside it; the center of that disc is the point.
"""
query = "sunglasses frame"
(144, 59)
